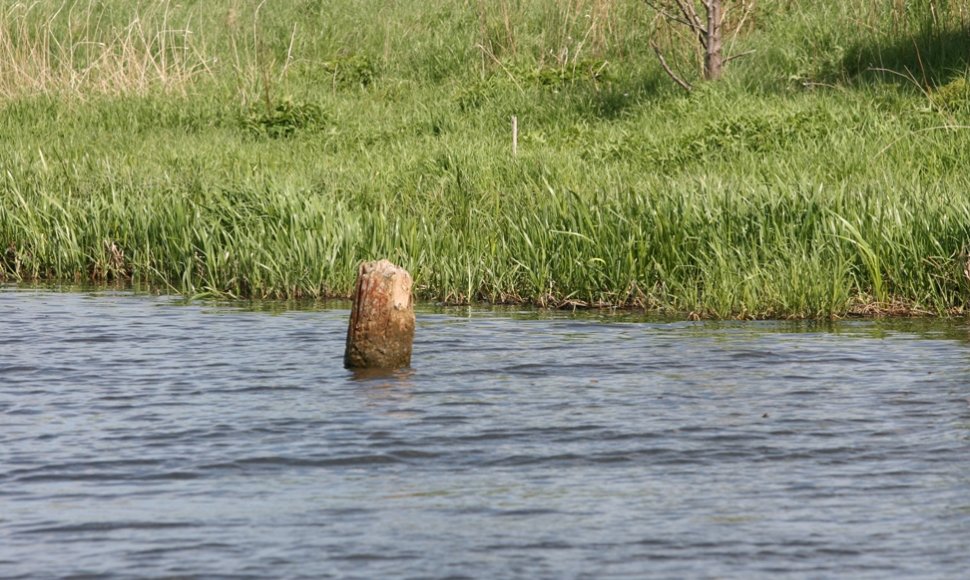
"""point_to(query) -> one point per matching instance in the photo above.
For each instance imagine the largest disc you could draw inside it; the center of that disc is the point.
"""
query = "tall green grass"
(265, 149)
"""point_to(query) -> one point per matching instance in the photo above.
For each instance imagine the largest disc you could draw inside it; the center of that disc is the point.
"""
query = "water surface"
(141, 437)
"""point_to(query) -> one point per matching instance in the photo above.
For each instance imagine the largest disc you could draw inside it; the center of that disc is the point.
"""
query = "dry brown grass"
(568, 30)
(71, 50)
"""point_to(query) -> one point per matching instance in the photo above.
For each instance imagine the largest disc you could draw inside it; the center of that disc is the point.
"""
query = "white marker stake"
(515, 135)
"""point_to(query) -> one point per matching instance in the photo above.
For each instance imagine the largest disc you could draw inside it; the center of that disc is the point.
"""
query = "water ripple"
(146, 437)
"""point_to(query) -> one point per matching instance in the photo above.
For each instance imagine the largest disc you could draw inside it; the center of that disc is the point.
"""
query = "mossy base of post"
(381, 331)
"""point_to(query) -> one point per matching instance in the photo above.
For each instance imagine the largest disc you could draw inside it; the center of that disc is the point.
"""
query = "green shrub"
(351, 71)
(283, 119)
(953, 97)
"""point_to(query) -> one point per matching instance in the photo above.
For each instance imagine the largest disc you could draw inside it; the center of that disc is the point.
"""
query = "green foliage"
(799, 186)
(351, 71)
(756, 132)
(283, 119)
(953, 97)
(569, 74)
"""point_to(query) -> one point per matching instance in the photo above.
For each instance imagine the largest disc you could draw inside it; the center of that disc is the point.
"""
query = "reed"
(294, 142)
(78, 48)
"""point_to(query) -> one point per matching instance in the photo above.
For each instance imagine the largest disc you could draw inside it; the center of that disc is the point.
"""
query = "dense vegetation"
(233, 148)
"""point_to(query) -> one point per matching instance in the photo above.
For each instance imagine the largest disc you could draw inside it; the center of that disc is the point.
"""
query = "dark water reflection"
(139, 437)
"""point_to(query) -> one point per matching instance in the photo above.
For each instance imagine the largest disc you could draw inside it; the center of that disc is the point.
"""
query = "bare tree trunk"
(706, 28)
(713, 45)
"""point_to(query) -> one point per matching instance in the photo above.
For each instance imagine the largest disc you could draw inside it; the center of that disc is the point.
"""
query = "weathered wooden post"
(381, 330)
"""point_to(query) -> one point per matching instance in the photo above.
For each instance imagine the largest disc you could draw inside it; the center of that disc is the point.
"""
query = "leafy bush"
(351, 71)
(953, 97)
(570, 73)
(283, 119)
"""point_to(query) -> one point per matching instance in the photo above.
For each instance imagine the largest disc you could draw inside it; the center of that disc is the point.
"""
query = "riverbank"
(266, 153)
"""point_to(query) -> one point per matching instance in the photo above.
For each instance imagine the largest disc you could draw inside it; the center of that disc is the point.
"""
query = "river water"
(141, 436)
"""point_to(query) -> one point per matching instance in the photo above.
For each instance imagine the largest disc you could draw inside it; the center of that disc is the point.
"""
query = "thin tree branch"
(747, 9)
(737, 56)
(488, 53)
(663, 62)
(663, 11)
(694, 21)
(690, 13)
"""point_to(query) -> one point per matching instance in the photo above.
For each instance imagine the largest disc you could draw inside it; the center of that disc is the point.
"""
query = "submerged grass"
(264, 150)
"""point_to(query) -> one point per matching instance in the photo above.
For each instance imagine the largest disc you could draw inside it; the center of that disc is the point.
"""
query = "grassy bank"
(263, 150)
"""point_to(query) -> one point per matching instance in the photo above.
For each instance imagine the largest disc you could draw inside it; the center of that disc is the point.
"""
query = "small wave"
(93, 339)
(24, 411)
(373, 557)
(526, 513)
(260, 389)
(18, 369)
(191, 547)
(93, 527)
(350, 460)
(522, 460)
(107, 477)
(548, 545)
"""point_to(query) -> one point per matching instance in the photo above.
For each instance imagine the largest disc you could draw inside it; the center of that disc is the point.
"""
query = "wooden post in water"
(381, 330)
